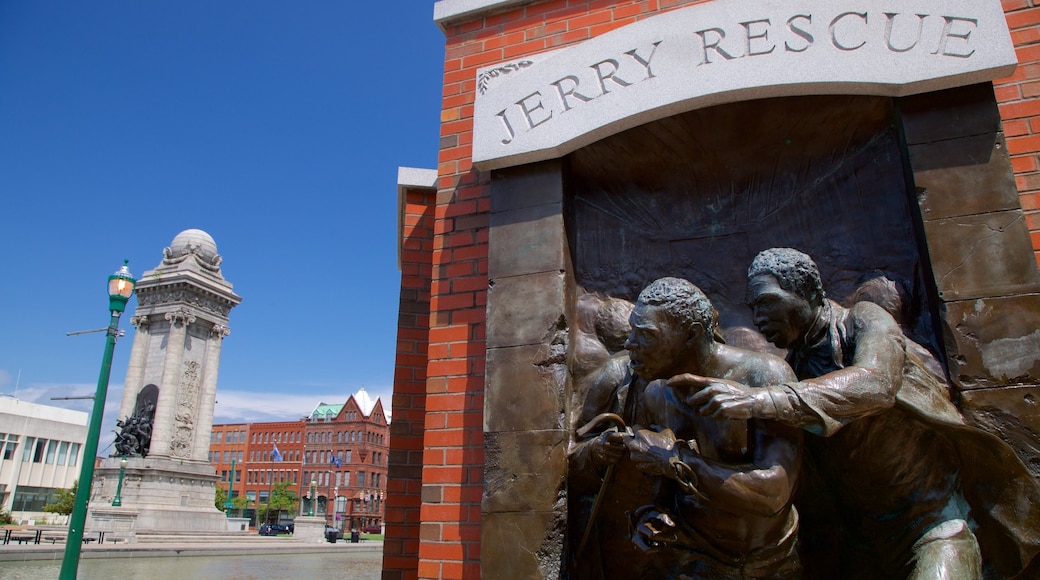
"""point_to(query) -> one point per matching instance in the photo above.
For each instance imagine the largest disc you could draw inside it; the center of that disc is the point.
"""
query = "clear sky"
(276, 127)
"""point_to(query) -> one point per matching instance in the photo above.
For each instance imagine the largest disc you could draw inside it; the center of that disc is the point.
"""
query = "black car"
(274, 529)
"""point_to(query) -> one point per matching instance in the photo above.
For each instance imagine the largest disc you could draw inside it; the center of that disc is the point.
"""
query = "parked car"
(372, 530)
(274, 529)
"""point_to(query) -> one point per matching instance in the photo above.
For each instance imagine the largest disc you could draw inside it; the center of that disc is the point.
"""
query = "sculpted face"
(656, 345)
(783, 317)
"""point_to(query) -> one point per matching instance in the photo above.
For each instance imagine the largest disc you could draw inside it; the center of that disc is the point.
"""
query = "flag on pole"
(276, 455)
(336, 461)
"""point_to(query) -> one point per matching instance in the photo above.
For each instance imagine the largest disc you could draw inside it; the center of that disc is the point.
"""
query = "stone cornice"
(154, 298)
(450, 12)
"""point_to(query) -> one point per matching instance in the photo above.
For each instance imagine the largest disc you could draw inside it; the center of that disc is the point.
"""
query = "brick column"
(404, 471)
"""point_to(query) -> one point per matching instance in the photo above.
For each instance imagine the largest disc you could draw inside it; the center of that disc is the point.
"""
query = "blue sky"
(277, 127)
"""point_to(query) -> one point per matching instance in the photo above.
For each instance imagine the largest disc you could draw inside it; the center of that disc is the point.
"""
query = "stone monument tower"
(166, 415)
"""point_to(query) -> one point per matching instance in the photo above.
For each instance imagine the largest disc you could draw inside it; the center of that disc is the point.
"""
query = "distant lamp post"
(118, 501)
(120, 288)
(314, 497)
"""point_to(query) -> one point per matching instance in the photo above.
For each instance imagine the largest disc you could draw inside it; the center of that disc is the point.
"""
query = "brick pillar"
(404, 473)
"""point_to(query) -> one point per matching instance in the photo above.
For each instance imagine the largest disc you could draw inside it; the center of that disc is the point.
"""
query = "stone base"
(309, 529)
(169, 495)
(238, 524)
(117, 522)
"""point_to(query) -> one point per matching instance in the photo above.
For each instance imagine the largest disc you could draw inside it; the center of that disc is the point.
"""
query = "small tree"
(64, 502)
(220, 498)
(283, 498)
(237, 503)
(5, 518)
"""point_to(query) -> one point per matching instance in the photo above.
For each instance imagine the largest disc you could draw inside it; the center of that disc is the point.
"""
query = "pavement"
(204, 547)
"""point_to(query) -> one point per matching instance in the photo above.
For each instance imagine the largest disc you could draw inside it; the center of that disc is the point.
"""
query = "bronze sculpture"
(749, 468)
(725, 486)
(895, 482)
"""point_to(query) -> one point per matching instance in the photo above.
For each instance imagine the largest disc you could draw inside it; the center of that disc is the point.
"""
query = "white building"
(41, 448)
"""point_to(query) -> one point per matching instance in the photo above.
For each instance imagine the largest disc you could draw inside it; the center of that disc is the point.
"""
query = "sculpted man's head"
(785, 293)
(670, 316)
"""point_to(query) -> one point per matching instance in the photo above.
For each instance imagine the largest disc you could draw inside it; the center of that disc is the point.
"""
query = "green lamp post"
(118, 500)
(120, 288)
(314, 497)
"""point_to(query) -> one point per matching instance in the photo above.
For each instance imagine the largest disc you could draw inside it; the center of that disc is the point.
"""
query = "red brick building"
(350, 491)
(438, 451)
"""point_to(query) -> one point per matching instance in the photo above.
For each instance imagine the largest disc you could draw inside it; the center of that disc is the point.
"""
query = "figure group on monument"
(134, 437)
(693, 458)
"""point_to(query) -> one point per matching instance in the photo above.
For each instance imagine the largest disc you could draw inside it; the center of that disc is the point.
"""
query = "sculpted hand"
(653, 529)
(726, 399)
(653, 452)
(608, 448)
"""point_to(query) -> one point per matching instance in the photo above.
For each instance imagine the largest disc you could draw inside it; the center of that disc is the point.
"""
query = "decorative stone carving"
(220, 331)
(184, 295)
(141, 322)
(184, 419)
(181, 317)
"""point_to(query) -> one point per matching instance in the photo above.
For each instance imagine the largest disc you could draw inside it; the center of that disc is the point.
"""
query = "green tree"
(283, 498)
(220, 500)
(64, 502)
(5, 518)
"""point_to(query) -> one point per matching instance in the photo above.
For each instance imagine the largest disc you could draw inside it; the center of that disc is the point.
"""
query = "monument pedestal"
(118, 523)
(309, 529)
(168, 495)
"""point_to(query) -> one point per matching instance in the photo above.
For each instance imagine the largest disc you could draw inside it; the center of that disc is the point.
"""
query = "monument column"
(181, 318)
(162, 428)
(204, 417)
(135, 369)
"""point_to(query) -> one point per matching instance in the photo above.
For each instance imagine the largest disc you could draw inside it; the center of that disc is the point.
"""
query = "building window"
(63, 452)
(32, 499)
(10, 446)
(74, 455)
(38, 454)
(30, 442)
(361, 479)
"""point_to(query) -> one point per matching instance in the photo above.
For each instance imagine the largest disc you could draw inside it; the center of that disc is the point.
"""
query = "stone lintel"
(727, 51)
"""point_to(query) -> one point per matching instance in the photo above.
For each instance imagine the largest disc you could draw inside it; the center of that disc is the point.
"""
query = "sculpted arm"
(868, 385)
(763, 486)
(824, 404)
(589, 456)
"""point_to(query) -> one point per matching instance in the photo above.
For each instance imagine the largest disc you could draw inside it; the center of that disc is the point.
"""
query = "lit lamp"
(118, 501)
(120, 288)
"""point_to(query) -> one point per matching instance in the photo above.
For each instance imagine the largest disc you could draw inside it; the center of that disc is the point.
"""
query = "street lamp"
(120, 288)
(118, 501)
(314, 497)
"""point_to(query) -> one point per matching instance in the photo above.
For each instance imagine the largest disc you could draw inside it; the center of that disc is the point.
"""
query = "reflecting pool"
(354, 565)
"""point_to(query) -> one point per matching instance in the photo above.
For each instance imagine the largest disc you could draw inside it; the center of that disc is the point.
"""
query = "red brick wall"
(404, 474)
(452, 473)
(1020, 109)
